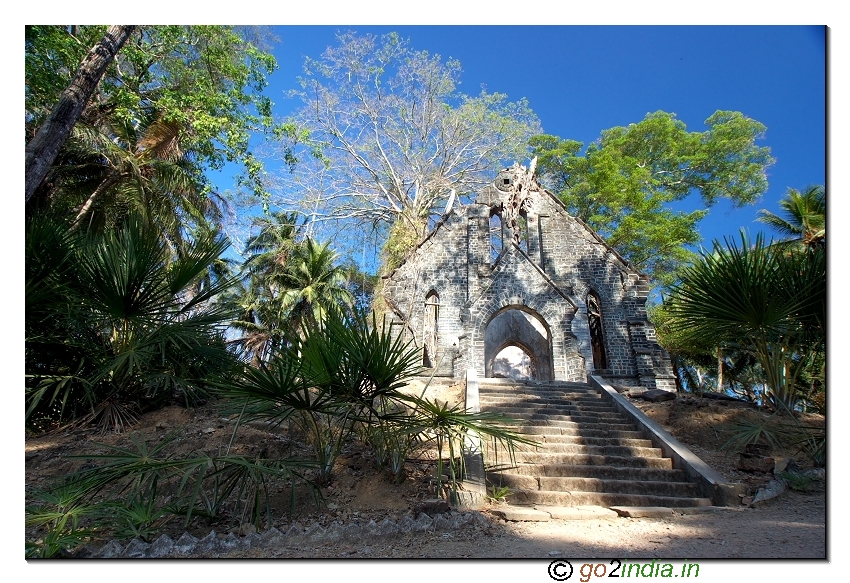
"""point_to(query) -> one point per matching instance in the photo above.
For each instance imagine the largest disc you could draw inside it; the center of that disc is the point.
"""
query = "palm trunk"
(42, 150)
(719, 369)
(110, 181)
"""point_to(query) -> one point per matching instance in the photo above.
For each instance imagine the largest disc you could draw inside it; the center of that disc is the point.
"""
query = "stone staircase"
(589, 454)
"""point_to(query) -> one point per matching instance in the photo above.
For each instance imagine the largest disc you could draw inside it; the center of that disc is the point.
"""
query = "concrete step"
(587, 454)
(549, 408)
(586, 393)
(606, 499)
(574, 429)
(580, 449)
(594, 471)
(577, 459)
(557, 427)
(645, 488)
(543, 440)
(522, 400)
(561, 423)
(565, 412)
(588, 398)
(526, 386)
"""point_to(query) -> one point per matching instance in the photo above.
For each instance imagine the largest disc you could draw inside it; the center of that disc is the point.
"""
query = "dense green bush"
(115, 323)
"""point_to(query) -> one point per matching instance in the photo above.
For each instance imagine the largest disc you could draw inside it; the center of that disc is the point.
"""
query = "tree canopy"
(200, 87)
(395, 138)
(624, 183)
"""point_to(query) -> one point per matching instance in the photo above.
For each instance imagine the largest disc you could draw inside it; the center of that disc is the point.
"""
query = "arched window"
(496, 234)
(429, 329)
(522, 225)
(597, 338)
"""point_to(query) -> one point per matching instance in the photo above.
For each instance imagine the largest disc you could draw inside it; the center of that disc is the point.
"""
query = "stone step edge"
(544, 513)
(569, 493)
(607, 482)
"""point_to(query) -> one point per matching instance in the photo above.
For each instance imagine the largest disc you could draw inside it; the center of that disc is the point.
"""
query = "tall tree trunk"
(44, 147)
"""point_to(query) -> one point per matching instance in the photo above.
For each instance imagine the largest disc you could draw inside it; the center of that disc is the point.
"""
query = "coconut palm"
(314, 284)
(262, 318)
(804, 219)
(268, 251)
(111, 167)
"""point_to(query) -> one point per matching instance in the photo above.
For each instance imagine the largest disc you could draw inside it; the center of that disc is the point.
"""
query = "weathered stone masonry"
(544, 282)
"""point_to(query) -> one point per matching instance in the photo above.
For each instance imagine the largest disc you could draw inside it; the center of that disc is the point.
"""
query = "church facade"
(513, 285)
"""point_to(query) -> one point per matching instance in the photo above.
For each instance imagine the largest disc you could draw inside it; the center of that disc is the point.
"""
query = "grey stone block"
(207, 545)
(136, 549)
(161, 547)
(423, 524)
(110, 550)
(185, 544)
(252, 539)
(272, 535)
(522, 514)
(643, 511)
(230, 542)
(315, 533)
(294, 534)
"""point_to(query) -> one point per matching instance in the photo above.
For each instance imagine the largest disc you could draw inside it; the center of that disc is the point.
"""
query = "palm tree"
(268, 251)
(765, 299)
(111, 167)
(111, 322)
(262, 319)
(313, 284)
(805, 216)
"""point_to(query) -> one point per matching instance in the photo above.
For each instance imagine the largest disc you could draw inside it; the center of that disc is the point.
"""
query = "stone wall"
(547, 276)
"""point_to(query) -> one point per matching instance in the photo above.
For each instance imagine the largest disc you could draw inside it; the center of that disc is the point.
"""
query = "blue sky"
(583, 79)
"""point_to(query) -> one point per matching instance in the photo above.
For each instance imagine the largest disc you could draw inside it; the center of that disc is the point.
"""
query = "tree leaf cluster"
(625, 183)
(203, 84)
(765, 299)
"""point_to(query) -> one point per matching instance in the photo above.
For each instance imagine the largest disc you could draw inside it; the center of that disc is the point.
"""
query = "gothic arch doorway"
(514, 362)
(597, 336)
(520, 339)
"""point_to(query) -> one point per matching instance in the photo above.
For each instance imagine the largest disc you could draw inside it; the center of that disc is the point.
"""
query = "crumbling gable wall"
(550, 264)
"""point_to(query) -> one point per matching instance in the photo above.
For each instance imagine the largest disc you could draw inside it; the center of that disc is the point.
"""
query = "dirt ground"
(790, 526)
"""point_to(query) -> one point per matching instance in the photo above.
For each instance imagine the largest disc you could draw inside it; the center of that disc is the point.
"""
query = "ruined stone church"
(514, 286)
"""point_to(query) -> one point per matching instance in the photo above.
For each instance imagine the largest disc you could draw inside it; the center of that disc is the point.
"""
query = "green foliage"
(203, 82)
(58, 512)
(499, 493)
(451, 427)
(113, 320)
(338, 373)
(402, 239)
(313, 284)
(624, 183)
(765, 299)
(784, 431)
(798, 482)
(135, 491)
(805, 217)
(285, 284)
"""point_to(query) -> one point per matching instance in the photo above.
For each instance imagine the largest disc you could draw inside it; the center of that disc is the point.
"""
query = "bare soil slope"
(791, 526)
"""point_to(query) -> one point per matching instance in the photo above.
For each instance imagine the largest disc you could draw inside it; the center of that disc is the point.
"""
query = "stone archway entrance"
(518, 344)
